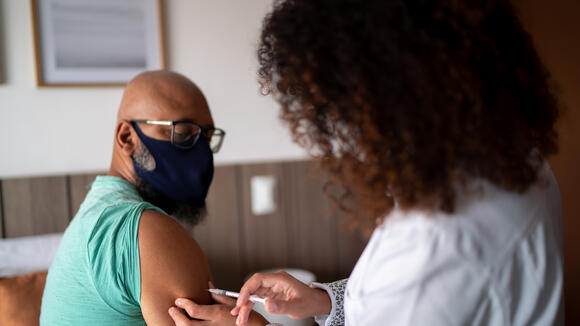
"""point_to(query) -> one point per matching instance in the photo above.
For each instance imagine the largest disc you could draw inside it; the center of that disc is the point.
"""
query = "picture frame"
(96, 43)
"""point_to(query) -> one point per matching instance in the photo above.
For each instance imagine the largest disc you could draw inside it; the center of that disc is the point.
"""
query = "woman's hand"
(208, 315)
(286, 295)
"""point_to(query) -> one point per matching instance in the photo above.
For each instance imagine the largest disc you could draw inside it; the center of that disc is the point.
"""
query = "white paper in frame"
(87, 42)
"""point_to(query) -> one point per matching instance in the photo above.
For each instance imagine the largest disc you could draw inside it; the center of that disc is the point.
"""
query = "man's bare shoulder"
(156, 226)
(172, 266)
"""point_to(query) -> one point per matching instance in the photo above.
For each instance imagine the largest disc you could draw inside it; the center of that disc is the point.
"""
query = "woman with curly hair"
(436, 118)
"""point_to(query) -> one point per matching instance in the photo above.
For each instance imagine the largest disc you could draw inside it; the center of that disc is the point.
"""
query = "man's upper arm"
(172, 266)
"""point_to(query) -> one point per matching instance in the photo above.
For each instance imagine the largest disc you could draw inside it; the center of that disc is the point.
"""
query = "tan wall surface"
(555, 27)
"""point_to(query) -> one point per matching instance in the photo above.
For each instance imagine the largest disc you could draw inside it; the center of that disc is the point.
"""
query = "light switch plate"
(263, 193)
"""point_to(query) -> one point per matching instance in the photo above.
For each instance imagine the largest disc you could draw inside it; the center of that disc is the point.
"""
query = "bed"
(24, 262)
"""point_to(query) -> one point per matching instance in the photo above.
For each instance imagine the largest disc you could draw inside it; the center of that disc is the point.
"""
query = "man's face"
(173, 105)
(187, 214)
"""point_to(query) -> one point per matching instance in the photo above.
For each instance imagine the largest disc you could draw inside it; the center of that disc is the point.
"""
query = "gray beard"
(186, 214)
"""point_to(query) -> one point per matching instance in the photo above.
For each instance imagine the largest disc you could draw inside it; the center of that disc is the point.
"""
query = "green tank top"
(95, 278)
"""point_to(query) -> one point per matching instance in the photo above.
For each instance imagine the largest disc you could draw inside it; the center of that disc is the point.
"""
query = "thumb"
(276, 306)
(179, 318)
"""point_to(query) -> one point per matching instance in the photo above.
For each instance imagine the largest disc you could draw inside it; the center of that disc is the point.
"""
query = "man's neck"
(121, 169)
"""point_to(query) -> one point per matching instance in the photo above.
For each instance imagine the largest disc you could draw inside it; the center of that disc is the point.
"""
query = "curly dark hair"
(402, 99)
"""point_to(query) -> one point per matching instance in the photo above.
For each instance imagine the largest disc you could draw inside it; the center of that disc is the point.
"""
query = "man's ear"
(125, 137)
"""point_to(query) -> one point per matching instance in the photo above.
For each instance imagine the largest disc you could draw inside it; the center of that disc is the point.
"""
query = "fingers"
(194, 310)
(244, 314)
(179, 318)
(223, 299)
(204, 315)
(272, 285)
(282, 272)
(236, 310)
(264, 293)
(274, 306)
(251, 285)
(262, 284)
(268, 281)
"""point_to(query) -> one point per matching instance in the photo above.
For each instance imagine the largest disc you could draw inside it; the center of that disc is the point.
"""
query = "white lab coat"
(496, 261)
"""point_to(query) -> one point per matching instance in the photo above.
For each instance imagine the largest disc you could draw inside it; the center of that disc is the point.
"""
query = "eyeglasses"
(185, 134)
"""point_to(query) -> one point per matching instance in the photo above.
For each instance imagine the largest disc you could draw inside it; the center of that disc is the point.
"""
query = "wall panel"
(35, 206)
(78, 186)
(312, 231)
(320, 241)
(264, 237)
(350, 245)
(300, 233)
(219, 235)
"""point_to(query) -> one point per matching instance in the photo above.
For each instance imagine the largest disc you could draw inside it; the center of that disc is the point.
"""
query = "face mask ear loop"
(136, 128)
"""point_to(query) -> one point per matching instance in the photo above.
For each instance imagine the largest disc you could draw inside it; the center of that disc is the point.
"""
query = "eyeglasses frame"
(203, 130)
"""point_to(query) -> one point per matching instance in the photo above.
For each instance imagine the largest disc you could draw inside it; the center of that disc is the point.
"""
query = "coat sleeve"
(335, 291)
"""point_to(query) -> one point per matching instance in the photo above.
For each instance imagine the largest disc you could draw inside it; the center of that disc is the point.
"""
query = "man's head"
(161, 143)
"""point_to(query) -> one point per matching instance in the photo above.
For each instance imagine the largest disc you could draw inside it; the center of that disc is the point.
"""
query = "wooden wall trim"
(78, 186)
(68, 197)
(242, 240)
(266, 236)
(299, 234)
(312, 229)
(34, 206)
(219, 235)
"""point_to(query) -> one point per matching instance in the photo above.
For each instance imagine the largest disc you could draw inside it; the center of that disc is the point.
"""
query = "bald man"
(123, 260)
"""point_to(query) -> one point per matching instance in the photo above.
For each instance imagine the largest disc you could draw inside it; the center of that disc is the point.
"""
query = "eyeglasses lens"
(183, 131)
(216, 138)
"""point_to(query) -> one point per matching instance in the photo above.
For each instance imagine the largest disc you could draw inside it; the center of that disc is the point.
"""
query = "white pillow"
(27, 254)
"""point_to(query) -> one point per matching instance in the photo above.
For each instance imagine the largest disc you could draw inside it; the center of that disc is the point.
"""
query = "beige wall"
(69, 130)
(555, 27)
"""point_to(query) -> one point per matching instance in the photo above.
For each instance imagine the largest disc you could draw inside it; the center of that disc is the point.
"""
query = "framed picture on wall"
(105, 42)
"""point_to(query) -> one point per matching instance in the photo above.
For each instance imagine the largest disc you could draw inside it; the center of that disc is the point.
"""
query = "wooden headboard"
(300, 233)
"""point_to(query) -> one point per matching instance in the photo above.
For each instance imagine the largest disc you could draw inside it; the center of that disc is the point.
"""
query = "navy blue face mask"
(183, 175)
